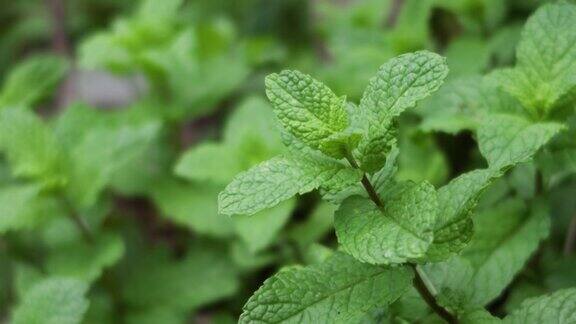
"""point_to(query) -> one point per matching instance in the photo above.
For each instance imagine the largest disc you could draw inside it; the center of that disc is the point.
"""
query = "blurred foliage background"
(120, 121)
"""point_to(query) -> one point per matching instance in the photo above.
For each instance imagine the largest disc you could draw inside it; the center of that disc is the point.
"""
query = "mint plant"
(337, 147)
(439, 190)
(390, 227)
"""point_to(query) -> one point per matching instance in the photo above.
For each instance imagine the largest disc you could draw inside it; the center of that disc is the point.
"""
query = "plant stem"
(539, 183)
(421, 282)
(570, 237)
(78, 221)
(366, 183)
(428, 293)
(395, 9)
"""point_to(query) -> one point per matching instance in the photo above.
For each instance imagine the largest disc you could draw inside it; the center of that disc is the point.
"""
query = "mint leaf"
(558, 307)
(250, 136)
(505, 238)
(479, 316)
(456, 202)
(462, 103)
(203, 276)
(32, 80)
(267, 223)
(209, 162)
(101, 152)
(253, 121)
(278, 179)
(506, 140)
(546, 58)
(192, 206)
(30, 146)
(52, 301)
(85, 261)
(299, 294)
(316, 226)
(18, 207)
(399, 84)
(307, 108)
(401, 232)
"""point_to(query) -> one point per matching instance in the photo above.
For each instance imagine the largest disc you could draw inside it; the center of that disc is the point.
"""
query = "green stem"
(428, 292)
(421, 281)
(366, 183)
(539, 183)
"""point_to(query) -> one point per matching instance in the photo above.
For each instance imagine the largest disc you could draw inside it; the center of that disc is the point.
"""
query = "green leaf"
(467, 55)
(31, 147)
(193, 206)
(559, 307)
(32, 80)
(159, 9)
(203, 276)
(399, 84)
(505, 238)
(209, 162)
(278, 179)
(53, 301)
(100, 153)
(546, 59)
(479, 316)
(506, 140)
(258, 231)
(316, 226)
(339, 290)
(20, 207)
(420, 158)
(253, 120)
(250, 137)
(25, 277)
(401, 232)
(462, 103)
(456, 202)
(85, 260)
(306, 107)
(155, 316)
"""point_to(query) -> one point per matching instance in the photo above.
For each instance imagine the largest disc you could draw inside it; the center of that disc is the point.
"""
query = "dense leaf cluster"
(362, 161)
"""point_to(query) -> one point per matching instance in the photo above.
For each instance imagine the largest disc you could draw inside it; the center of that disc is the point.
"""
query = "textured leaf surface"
(506, 140)
(278, 179)
(546, 58)
(559, 307)
(456, 202)
(461, 104)
(505, 238)
(398, 85)
(250, 137)
(306, 107)
(53, 301)
(399, 233)
(339, 290)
